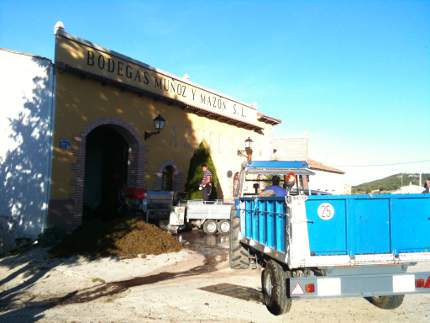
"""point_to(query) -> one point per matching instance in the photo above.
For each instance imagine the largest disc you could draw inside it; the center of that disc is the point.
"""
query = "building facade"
(27, 107)
(106, 104)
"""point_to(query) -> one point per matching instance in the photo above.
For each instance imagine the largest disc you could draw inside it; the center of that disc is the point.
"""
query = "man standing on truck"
(206, 183)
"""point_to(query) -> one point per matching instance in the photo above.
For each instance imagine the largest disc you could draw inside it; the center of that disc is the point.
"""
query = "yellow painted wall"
(80, 102)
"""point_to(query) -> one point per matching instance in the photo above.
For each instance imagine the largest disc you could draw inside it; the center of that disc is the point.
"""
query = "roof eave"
(269, 120)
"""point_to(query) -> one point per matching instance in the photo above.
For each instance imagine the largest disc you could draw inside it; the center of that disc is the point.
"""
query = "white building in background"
(25, 145)
(409, 189)
(290, 148)
(326, 179)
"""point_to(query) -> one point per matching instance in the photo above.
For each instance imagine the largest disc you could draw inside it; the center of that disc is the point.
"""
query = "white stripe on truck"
(403, 283)
(329, 286)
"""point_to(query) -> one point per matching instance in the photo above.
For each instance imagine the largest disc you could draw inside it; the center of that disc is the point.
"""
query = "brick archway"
(177, 185)
(135, 175)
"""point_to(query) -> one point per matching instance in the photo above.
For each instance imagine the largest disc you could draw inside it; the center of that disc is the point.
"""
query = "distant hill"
(389, 183)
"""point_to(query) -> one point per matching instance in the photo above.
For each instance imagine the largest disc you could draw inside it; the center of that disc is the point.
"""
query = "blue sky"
(354, 77)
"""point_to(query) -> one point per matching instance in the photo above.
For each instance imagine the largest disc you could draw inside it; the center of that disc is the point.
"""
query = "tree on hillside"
(201, 156)
(389, 183)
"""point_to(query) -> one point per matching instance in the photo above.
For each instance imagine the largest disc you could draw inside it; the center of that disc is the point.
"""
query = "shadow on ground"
(32, 266)
(118, 239)
(36, 264)
(236, 291)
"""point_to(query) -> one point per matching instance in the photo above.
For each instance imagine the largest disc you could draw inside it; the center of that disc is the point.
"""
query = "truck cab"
(256, 175)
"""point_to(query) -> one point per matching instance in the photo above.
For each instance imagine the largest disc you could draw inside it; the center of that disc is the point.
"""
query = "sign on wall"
(87, 57)
(64, 144)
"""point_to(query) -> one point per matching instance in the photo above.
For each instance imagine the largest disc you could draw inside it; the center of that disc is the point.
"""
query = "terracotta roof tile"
(313, 164)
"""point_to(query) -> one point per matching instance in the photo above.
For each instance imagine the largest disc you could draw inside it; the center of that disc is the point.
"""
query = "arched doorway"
(106, 171)
(167, 178)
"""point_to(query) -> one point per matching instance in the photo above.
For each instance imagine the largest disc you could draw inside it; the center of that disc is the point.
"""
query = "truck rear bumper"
(359, 285)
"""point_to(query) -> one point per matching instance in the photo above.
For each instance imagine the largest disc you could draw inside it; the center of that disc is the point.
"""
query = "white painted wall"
(409, 189)
(329, 182)
(289, 148)
(26, 109)
(297, 148)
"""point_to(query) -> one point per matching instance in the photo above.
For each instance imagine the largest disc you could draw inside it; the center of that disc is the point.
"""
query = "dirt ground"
(192, 285)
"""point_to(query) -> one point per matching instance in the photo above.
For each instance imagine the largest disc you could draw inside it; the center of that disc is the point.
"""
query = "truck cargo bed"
(365, 224)
(339, 229)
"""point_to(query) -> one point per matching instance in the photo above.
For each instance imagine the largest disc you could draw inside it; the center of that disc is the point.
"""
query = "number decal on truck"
(325, 211)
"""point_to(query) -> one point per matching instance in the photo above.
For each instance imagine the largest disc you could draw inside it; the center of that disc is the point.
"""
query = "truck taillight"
(310, 288)
(422, 283)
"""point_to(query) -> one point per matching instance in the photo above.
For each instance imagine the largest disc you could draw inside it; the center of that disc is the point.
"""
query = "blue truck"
(311, 245)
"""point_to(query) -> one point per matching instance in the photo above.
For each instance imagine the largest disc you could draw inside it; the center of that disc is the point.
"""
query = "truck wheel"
(238, 254)
(224, 226)
(274, 286)
(209, 227)
(387, 302)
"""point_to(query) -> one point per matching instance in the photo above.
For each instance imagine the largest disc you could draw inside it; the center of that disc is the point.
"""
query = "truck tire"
(224, 226)
(209, 227)
(238, 254)
(274, 287)
(387, 302)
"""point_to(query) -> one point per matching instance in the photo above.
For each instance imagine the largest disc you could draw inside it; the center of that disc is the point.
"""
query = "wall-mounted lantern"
(248, 143)
(248, 149)
(159, 123)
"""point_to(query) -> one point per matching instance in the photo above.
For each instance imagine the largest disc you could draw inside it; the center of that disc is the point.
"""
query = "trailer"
(211, 216)
(319, 246)
(160, 207)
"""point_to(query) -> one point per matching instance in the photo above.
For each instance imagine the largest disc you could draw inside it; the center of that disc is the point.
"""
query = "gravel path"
(188, 286)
